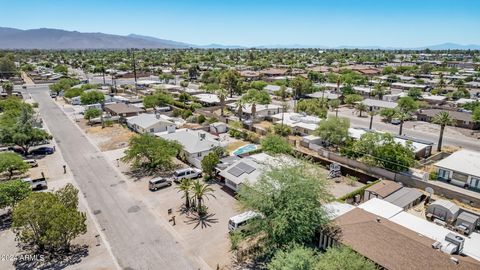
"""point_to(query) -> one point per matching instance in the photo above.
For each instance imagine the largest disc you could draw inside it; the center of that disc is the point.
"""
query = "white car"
(188, 173)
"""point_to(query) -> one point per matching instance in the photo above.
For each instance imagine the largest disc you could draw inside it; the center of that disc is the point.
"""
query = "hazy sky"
(407, 23)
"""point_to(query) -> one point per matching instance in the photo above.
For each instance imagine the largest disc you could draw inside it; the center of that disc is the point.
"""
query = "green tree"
(415, 93)
(317, 107)
(222, 96)
(442, 119)
(476, 114)
(7, 87)
(290, 199)
(275, 144)
(381, 149)
(230, 80)
(92, 97)
(295, 258)
(151, 153)
(42, 220)
(257, 96)
(209, 162)
(334, 130)
(343, 257)
(13, 191)
(160, 98)
(387, 114)
(360, 107)
(11, 163)
(91, 114)
(185, 187)
(63, 85)
(61, 69)
(200, 192)
(300, 86)
(352, 99)
(7, 67)
(334, 104)
(378, 91)
(407, 105)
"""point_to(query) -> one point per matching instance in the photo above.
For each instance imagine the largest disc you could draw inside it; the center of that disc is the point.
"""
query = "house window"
(475, 183)
(199, 154)
(443, 174)
(152, 130)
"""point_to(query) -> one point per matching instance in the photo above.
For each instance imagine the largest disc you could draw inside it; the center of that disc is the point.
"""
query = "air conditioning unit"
(437, 245)
(457, 240)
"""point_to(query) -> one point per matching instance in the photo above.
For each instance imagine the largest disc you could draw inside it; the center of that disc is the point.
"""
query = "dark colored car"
(43, 151)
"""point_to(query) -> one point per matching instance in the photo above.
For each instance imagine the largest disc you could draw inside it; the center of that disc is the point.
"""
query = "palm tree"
(442, 119)
(185, 187)
(378, 91)
(372, 114)
(222, 95)
(201, 191)
(240, 107)
(360, 107)
(334, 104)
(402, 116)
(254, 111)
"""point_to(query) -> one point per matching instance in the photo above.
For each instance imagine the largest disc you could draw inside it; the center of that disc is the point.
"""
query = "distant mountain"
(44, 38)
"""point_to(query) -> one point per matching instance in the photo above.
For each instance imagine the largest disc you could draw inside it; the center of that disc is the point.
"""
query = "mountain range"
(54, 39)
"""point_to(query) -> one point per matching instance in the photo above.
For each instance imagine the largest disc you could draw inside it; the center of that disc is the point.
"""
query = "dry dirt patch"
(110, 138)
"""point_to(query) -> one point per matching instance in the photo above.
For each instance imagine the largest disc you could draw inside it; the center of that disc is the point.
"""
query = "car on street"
(36, 184)
(44, 150)
(53, 95)
(188, 173)
(158, 183)
(395, 121)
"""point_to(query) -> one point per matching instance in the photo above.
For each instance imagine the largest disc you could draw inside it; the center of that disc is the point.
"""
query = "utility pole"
(134, 69)
(103, 70)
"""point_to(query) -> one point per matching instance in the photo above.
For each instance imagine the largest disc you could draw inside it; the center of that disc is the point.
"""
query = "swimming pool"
(245, 149)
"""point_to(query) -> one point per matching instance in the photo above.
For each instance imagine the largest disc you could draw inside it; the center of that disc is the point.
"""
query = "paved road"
(448, 139)
(138, 240)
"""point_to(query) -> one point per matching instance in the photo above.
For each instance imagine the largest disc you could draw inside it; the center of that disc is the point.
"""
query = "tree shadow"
(30, 260)
(203, 221)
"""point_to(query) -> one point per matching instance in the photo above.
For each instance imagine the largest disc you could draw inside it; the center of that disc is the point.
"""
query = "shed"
(218, 128)
(443, 210)
(381, 190)
(466, 222)
(405, 198)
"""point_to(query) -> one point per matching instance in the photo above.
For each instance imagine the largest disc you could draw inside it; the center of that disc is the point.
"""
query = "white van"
(239, 220)
(188, 173)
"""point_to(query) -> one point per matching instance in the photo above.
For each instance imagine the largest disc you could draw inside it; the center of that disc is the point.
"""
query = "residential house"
(460, 119)
(196, 144)
(123, 110)
(461, 168)
(381, 190)
(376, 105)
(300, 123)
(408, 86)
(262, 111)
(150, 123)
(395, 242)
(444, 210)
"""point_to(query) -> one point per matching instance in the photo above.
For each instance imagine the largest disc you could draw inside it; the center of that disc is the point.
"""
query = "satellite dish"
(429, 190)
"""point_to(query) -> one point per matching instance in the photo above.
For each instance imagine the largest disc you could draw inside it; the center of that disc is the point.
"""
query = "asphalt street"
(138, 239)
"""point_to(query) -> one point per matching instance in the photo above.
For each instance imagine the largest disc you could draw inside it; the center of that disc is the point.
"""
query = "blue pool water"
(245, 149)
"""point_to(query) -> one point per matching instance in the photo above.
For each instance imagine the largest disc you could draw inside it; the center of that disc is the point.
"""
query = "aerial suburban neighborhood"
(133, 152)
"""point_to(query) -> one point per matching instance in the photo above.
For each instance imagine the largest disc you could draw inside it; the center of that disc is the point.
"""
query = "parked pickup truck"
(36, 184)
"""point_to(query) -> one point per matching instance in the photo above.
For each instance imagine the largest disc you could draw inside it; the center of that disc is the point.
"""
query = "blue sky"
(406, 23)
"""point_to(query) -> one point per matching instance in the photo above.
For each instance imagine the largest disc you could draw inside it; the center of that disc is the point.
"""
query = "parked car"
(31, 162)
(395, 121)
(53, 95)
(36, 184)
(158, 182)
(44, 150)
(239, 220)
(188, 173)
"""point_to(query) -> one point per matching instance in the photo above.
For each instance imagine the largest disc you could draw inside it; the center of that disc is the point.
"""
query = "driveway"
(138, 238)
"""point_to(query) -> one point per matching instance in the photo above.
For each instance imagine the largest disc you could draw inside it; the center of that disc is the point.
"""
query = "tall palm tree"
(360, 107)
(442, 119)
(240, 107)
(254, 112)
(402, 116)
(185, 187)
(372, 114)
(200, 192)
(222, 95)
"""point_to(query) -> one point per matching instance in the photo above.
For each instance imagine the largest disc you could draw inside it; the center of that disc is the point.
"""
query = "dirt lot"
(109, 138)
(207, 238)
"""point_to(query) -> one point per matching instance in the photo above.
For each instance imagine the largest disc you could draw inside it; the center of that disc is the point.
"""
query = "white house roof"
(326, 94)
(247, 108)
(434, 97)
(245, 170)
(208, 98)
(192, 140)
(335, 209)
(381, 208)
(298, 120)
(465, 100)
(379, 103)
(146, 120)
(463, 161)
(408, 85)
